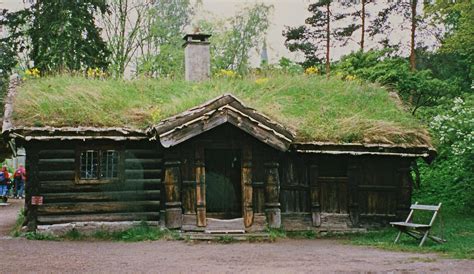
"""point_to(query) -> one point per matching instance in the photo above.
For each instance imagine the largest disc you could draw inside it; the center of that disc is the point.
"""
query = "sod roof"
(312, 107)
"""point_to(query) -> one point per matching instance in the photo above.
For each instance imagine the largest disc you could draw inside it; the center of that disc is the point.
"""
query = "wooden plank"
(57, 153)
(109, 217)
(142, 154)
(142, 161)
(97, 207)
(425, 207)
(57, 175)
(58, 166)
(376, 188)
(145, 173)
(71, 186)
(102, 196)
(410, 225)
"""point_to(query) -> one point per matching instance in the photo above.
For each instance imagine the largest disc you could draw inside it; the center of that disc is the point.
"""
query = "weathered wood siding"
(134, 195)
(372, 188)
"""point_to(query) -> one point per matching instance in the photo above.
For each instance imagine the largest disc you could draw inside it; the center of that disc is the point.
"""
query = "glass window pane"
(89, 164)
(109, 164)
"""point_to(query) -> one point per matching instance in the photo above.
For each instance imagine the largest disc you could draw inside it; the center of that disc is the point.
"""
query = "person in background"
(19, 179)
(7, 178)
(4, 182)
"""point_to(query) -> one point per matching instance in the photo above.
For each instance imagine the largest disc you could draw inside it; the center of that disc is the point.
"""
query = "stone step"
(196, 236)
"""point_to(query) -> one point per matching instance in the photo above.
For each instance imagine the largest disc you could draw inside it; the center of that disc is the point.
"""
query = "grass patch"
(141, 232)
(316, 108)
(276, 233)
(308, 234)
(458, 231)
(226, 239)
(40, 236)
(16, 231)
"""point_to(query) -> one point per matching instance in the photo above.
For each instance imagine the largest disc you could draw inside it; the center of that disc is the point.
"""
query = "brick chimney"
(197, 57)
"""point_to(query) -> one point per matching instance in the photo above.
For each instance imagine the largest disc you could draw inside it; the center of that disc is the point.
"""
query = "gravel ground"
(283, 256)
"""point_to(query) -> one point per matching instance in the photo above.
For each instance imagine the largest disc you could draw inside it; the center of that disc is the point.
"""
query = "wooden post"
(247, 189)
(405, 183)
(32, 186)
(199, 165)
(353, 173)
(314, 195)
(272, 195)
(173, 211)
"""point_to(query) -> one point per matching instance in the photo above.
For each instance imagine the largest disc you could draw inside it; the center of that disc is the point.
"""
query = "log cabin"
(217, 165)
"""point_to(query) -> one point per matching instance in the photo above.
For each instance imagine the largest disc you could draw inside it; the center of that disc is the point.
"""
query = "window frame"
(99, 149)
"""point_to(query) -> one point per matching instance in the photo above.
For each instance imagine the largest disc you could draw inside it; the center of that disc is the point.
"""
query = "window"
(98, 164)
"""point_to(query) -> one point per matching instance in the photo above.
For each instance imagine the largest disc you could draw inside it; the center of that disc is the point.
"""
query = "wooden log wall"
(134, 196)
(373, 188)
(294, 170)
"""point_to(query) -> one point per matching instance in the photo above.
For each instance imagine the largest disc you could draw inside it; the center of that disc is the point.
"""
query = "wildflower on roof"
(311, 71)
(33, 72)
(261, 81)
(226, 73)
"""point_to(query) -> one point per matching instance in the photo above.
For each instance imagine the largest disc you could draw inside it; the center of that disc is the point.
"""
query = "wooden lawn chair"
(418, 231)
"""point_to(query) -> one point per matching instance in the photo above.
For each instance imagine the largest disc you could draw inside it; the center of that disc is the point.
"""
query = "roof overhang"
(76, 133)
(360, 149)
(221, 110)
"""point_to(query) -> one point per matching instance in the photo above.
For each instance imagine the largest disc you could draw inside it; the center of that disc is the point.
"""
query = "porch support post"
(32, 188)
(353, 174)
(272, 195)
(173, 211)
(200, 169)
(247, 189)
(405, 183)
(315, 198)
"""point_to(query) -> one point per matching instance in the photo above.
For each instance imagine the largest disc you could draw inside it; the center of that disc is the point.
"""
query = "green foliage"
(40, 236)
(161, 39)
(457, 229)
(418, 88)
(290, 67)
(345, 111)
(226, 239)
(16, 231)
(234, 38)
(59, 35)
(142, 232)
(306, 234)
(458, 18)
(121, 27)
(276, 233)
(310, 39)
(450, 178)
(74, 235)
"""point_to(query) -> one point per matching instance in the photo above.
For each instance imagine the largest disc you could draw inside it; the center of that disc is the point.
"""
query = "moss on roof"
(315, 108)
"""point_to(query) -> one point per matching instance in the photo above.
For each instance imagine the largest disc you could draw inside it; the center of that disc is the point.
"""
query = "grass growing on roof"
(314, 107)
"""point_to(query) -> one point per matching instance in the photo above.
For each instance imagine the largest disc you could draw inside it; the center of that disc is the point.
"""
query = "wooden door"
(223, 183)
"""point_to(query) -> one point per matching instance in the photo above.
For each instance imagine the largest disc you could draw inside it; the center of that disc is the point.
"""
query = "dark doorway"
(223, 189)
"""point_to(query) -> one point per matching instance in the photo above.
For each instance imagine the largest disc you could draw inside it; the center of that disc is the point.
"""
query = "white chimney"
(197, 57)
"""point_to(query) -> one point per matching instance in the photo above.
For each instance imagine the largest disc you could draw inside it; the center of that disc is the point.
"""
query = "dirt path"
(283, 256)
(8, 215)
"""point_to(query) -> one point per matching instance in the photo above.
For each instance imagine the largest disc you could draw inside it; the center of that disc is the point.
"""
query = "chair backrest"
(416, 206)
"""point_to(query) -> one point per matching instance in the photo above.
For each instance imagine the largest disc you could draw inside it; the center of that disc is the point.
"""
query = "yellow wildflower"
(261, 81)
(227, 73)
(350, 78)
(95, 73)
(311, 70)
(33, 72)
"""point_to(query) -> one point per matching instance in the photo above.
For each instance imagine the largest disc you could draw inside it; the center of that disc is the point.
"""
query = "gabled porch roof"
(223, 109)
